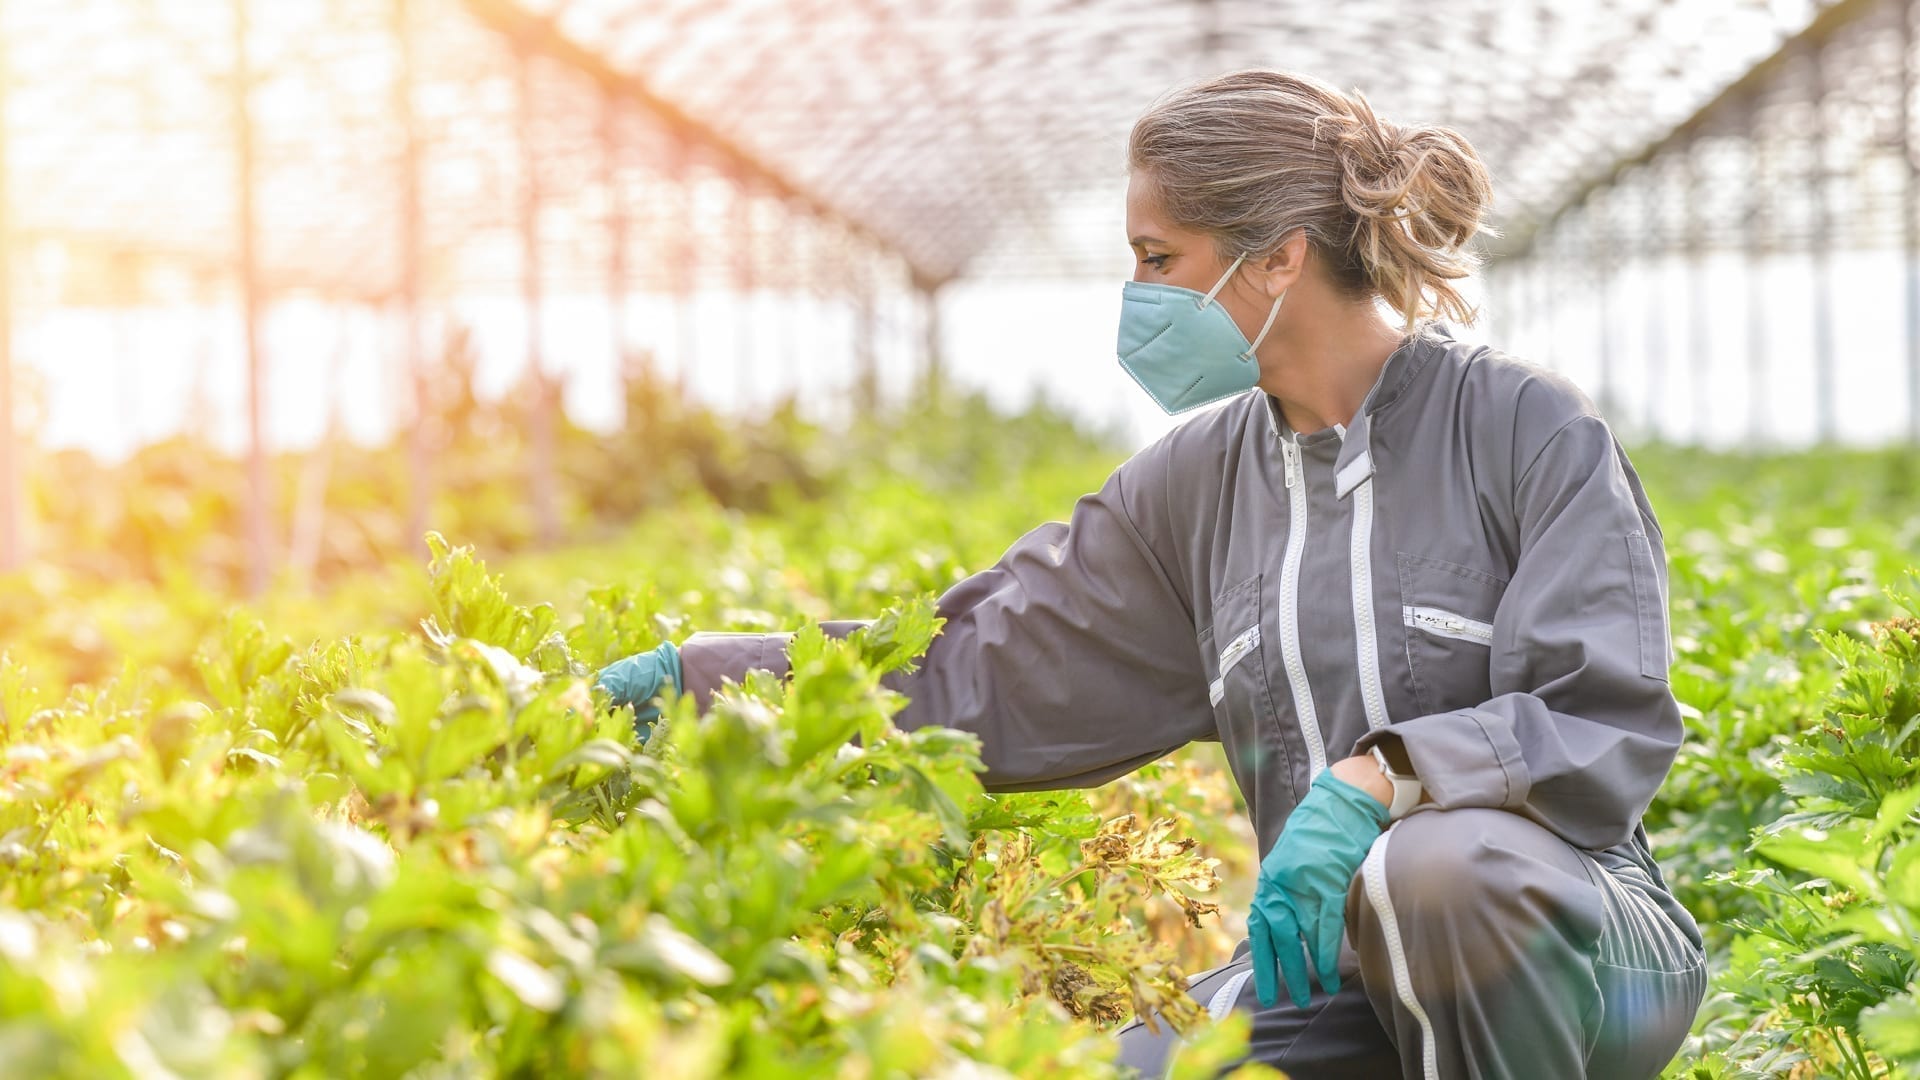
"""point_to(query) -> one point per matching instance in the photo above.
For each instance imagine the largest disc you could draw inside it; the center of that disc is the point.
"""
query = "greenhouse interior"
(386, 385)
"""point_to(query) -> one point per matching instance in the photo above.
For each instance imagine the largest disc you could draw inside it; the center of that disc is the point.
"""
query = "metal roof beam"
(1824, 26)
(539, 35)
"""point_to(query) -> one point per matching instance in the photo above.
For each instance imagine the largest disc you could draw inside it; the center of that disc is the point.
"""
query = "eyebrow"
(1146, 240)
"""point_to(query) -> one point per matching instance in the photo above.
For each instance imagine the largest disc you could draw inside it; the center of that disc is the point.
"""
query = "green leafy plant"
(442, 851)
(1823, 975)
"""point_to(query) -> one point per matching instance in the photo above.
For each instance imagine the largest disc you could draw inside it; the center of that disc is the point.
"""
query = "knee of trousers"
(1472, 893)
(1145, 1052)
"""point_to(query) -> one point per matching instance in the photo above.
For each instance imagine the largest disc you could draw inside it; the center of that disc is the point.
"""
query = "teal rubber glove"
(637, 679)
(1301, 895)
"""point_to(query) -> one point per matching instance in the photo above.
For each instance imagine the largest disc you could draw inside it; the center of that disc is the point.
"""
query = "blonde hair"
(1250, 156)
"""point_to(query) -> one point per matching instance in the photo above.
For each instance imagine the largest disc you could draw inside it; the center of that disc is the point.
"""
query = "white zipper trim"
(1361, 561)
(1446, 624)
(1236, 651)
(1290, 613)
(1222, 1001)
(1374, 872)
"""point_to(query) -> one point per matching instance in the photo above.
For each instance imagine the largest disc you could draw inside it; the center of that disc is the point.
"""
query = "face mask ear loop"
(1222, 283)
(1264, 327)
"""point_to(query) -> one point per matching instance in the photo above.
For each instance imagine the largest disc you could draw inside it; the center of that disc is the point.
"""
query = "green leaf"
(900, 635)
(1835, 855)
(1896, 811)
(604, 753)
(1903, 878)
(18, 698)
(535, 986)
(663, 951)
(1892, 1030)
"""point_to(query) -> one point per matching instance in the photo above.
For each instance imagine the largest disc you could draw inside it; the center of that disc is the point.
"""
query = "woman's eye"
(1158, 262)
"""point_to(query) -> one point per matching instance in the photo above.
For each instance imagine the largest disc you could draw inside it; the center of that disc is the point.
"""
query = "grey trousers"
(1479, 944)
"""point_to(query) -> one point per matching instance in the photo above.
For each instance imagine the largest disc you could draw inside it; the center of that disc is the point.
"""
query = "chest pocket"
(1235, 652)
(1446, 613)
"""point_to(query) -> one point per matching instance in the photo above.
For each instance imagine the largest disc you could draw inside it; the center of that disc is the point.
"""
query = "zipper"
(1229, 993)
(1290, 610)
(1372, 695)
(1447, 624)
(1374, 872)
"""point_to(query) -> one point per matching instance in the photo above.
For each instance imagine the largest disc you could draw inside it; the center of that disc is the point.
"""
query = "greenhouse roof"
(964, 136)
(949, 125)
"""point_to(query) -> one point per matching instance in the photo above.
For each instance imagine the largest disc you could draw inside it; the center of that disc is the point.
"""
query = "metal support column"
(1758, 193)
(929, 294)
(1653, 243)
(259, 554)
(122, 303)
(541, 400)
(1492, 297)
(1536, 294)
(12, 552)
(1699, 326)
(745, 319)
(1540, 255)
(1509, 301)
(1548, 252)
(687, 257)
(419, 464)
(793, 280)
(616, 236)
(1598, 211)
(866, 332)
(1517, 319)
(1910, 216)
(1819, 242)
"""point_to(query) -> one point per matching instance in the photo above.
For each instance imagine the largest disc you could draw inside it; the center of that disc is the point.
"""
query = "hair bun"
(1377, 170)
(1367, 146)
(1418, 193)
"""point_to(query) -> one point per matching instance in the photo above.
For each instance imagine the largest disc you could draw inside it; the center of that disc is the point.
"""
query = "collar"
(1355, 462)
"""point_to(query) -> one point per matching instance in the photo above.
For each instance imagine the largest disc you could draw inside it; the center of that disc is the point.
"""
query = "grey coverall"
(1471, 566)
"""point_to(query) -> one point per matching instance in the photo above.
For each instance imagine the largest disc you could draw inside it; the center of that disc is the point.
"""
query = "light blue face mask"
(1182, 348)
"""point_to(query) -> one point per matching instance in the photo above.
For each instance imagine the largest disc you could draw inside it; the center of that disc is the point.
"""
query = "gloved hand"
(1302, 890)
(638, 678)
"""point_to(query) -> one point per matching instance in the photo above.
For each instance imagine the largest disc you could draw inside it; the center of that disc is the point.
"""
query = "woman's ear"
(1278, 271)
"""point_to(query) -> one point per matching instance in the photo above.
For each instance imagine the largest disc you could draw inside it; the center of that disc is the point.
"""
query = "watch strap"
(1407, 789)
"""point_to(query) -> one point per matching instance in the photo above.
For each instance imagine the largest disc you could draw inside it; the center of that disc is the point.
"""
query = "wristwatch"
(1399, 772)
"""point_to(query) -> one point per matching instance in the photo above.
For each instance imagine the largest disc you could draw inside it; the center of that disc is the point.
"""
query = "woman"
(1413, 586)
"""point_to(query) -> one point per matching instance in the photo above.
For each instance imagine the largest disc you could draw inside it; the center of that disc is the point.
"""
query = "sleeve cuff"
(1461, 759)
(710, 657)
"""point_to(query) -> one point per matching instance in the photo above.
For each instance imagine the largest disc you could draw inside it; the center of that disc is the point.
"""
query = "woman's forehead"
(1143, 213)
